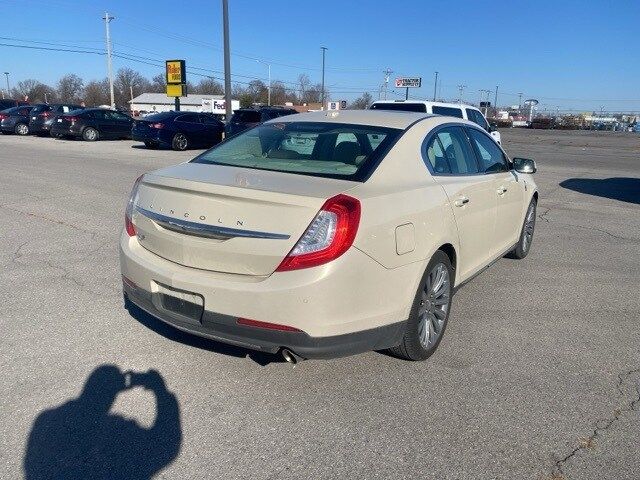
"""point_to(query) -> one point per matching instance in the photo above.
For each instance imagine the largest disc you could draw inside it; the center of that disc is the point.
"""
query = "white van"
(459, 110)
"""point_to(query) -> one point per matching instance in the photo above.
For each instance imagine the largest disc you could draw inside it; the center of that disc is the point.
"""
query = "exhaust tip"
(289, 356)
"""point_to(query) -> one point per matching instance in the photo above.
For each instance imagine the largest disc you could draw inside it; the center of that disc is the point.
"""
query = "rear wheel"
(90, 134)
(526, 235)
(180, 142)
(21, 129)
(430, 311)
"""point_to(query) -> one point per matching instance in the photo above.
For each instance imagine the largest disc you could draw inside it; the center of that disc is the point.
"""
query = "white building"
(159, 102)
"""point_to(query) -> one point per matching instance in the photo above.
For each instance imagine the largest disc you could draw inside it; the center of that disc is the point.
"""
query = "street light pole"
(324, 49)
(227, 60)
(435, 87)
(6, 74)
(107, 19)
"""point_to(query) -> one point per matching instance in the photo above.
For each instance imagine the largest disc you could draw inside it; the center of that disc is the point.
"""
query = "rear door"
(471, 195)
(122, 124)
(190, 125)
(508, 189)
(212, 130)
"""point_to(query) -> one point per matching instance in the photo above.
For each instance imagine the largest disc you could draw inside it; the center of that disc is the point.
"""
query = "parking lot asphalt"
(537, 376)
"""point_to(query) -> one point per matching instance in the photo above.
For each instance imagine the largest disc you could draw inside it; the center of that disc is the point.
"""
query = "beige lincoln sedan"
(326, 234)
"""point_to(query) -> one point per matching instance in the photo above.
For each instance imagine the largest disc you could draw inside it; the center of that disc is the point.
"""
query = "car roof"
(377, 118)
(430, 103)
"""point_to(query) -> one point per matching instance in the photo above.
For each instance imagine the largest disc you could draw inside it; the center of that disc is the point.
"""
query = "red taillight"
(128, 224)
(329, 235)
(46, 114)
(157, 125)
(3, 116)
(70, 119)
(270, 326)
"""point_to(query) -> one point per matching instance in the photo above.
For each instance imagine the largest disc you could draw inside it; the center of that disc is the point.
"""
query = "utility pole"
(461, 90)
(324, 50)
(107, 19)
(495, 101)
(519, 101)
(227, 60)
(386, 72)
(6, 74)
(269, 86)
(435, 87)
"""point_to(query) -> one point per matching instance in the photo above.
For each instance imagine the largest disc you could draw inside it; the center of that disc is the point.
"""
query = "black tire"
(528, 226)
(90, 134)
(180, 142)
(411, 348)
(21, 129)
(151, 145)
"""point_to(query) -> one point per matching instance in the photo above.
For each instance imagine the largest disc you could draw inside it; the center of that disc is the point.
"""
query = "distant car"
(43, 115)
(250, 117)
(9, 103)
(92, 124)
(178, 130)
(15, 120)
(458, 110)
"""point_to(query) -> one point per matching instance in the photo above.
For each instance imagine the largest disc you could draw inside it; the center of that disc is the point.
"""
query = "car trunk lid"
(227, 219)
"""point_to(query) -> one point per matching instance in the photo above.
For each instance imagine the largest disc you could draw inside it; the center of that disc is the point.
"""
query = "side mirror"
(524, 165)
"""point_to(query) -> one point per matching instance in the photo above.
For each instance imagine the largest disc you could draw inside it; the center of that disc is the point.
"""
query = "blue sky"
(568, 54)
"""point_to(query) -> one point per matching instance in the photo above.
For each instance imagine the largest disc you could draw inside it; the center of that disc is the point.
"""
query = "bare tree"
(126, 79)
(303, 83)
(209, 86)
(70, 88)
(362, 102)
(97, 93)
(157, 84)
(32, 90)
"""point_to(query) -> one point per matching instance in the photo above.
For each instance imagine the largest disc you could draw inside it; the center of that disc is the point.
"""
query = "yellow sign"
(175, 72)
(175, 90)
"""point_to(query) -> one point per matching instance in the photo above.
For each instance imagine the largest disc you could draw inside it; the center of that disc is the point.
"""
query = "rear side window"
(400, 106)
(448, 111)
(318, 149)
(449, 152)
(246, 116)
(24, 110)
(40, 109)
(189, 118)
(491, 158)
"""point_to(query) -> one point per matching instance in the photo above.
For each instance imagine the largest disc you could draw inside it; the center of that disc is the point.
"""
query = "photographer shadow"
(82, 439)
(171, 333)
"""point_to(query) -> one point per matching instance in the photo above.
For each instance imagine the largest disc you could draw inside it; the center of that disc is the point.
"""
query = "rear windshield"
(334, 150)
(448, 111)
(159, 116)
(402, 106)
(41, 108)
(246, 116)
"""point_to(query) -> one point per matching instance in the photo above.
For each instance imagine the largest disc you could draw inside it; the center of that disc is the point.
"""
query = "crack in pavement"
(603, 424)
(53, 220)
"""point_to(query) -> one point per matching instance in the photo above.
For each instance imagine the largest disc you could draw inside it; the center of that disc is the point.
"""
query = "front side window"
(476, 117)
(457, 151)
(309, 148)
(448, 111)
(490, 155)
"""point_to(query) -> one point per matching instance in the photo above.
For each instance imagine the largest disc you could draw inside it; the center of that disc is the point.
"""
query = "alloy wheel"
(434, 306)
(22, 129)
(529, 227)
(181, 142)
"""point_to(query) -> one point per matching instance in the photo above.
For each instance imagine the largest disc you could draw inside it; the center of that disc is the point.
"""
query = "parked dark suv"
(42, 116)
(15, 120)
(92, 124)
(178, 130)
(250, 117)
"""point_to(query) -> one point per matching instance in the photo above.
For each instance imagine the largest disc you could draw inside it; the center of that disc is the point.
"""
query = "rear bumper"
(156, 137)
(69, 131)
(224, 328)
(38, 126)
(348, 306)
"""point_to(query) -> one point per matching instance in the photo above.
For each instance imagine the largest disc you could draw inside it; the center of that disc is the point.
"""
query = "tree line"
(73, 89)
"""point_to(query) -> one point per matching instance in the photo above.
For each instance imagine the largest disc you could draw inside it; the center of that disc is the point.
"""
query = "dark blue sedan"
(178, 130)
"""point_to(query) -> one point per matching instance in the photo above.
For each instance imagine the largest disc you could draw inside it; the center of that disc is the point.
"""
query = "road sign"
(532, 102)
(409, 82)
(176, 72)
(341, 105)
(176, 90)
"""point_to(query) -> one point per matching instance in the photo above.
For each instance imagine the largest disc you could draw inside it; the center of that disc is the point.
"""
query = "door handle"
(502, 190)
(461, 202)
